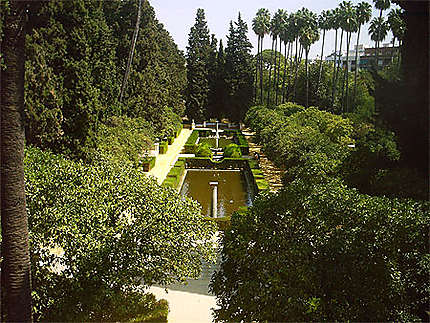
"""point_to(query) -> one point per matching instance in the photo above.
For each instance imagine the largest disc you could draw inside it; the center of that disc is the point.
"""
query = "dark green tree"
(239, 71)
(221, 85)
(212, 77)
(198, 50)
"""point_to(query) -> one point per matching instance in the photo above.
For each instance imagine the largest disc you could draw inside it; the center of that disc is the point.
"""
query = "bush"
(163, 147)
(174, 176)
(232, 151)
(148, 163)
(192, 139)
(122, 140)
(203, 150)
(178, 129)
(94, 229)
(334, 254)
(170, 140)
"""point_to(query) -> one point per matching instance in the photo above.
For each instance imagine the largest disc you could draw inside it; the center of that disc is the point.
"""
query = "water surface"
(232, 190)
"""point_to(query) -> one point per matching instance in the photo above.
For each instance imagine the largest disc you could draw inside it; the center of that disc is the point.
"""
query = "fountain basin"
(234, 190)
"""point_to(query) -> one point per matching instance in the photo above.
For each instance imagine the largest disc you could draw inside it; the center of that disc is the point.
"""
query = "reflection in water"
(232, 190)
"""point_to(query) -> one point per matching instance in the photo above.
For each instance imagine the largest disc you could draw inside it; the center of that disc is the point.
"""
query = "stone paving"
(164, 162)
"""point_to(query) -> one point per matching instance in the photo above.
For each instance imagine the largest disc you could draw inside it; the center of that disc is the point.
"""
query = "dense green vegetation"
(100, 230)
(95, 83)
(320, 249)
(115, 230)
(76, 54)
(219, 83)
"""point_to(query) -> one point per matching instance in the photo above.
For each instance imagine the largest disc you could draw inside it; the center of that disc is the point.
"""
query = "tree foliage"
(76, 57)
(100, 231)
(320, 250)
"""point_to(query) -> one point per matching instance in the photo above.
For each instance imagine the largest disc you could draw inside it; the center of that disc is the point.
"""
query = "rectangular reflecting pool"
(233, 189)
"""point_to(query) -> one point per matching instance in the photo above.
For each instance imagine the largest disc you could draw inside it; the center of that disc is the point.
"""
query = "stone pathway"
(272, 173)
(164, 162)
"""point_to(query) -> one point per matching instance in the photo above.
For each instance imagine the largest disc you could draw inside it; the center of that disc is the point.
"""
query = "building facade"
(366, 57)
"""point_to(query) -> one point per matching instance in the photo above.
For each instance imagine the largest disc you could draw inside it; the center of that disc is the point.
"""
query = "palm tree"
(324, 23)
(15, 267)
(364, 13)
(309, 34)
(283, 17)
(378, 30)
(337, 18)
(130, 55)
(288, 38)
(274, 33)
(381, 5)
(294, 34)
(350, 26)
(397, 26)
(260, 25)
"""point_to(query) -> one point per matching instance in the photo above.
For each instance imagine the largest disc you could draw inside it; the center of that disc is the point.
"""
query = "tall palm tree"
(293, 34)
(256, 29)
(15, 267)
(309, 34)
(131, 54)
(378, 30)
(324, 23)
(341, 22)
(260, 25)
(337, 18)
(350, 26)
(381, 5)
(288, 38)
(274, 33)
(283, 17)
(364, 13)
(397, 26)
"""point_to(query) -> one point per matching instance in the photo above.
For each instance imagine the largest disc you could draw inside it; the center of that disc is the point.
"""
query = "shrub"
(95, 228)
(178, 129)
(148, 163)
(203, 150)
(122, 140)
(170, 140)
(163, 147)
(232, 151)
(333, 253)
(192, 139)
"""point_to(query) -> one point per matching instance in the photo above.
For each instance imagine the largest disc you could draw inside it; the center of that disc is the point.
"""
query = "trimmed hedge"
(170, 140)
(178, 130)
(190, 145)
(148, 163)
(203, 150)
(174, 176)
(163, 147)
(233, 151)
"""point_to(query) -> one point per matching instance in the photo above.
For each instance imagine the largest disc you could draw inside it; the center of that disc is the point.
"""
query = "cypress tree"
(221, 86)
(198, 50)
(239, 70)
(212, 77)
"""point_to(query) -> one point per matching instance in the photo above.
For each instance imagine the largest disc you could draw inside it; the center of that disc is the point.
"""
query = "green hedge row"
(190, 145)
(178, 129)
(260, 182)
(174, 176)
(148, 163)
(242, 142)
(163, 147)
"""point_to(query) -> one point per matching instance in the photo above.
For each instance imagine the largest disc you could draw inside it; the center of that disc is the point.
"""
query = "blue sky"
(179, 16)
